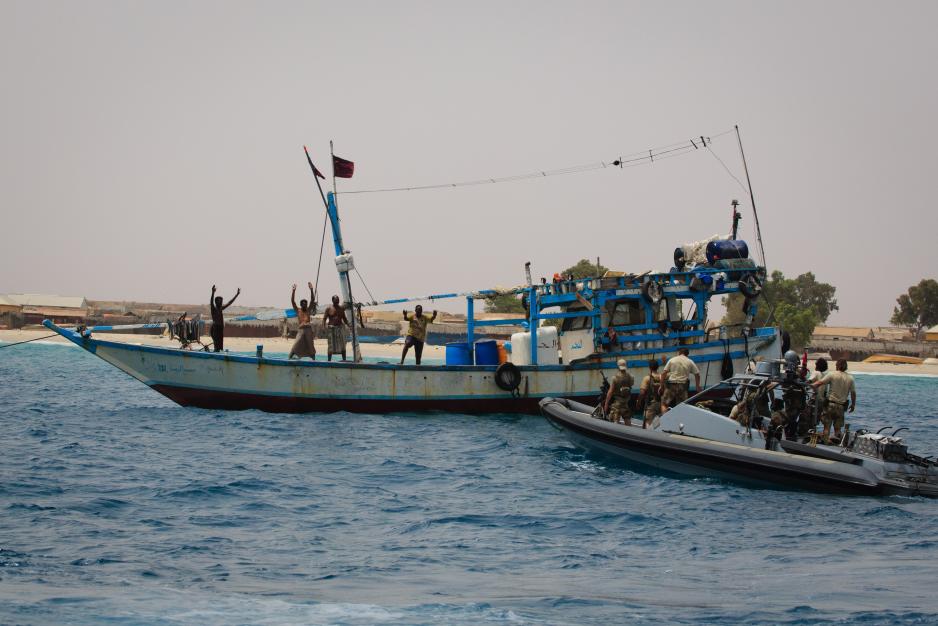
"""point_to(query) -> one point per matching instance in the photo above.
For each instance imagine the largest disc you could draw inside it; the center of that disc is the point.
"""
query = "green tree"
(917, 308)
(584, 268)
(819, 297)
(793, 303)
(504, 303)
(799, 322)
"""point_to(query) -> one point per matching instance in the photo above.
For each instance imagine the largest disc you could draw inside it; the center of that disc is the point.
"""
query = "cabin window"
(626, 313)
(575, 323)
(675, 309)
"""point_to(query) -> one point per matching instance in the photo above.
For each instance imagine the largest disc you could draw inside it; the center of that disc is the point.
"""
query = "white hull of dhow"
(230, 381)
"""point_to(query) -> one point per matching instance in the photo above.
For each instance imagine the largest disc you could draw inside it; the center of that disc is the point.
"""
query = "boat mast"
(343, 260)
(752, 198)
(343, 264)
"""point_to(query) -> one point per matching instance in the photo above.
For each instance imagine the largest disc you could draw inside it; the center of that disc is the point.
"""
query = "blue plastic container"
(487, 352)
(458, 354)
(723, 249)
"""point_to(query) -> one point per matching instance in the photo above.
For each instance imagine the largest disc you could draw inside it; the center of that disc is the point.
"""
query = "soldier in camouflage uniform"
(649, 394)
(675, 379)
(840, 388)
(620, 392)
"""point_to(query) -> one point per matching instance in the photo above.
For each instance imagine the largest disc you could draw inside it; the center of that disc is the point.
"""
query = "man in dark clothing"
(218, 321)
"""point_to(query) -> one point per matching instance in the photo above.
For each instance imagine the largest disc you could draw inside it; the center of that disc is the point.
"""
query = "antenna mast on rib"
(752, 198)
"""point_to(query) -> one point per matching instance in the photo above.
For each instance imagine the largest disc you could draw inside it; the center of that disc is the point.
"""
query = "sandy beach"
(390, 352)
(272, 345)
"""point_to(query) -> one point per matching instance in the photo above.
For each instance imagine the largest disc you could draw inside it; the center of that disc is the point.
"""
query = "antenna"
(752, 198)
(736, 218)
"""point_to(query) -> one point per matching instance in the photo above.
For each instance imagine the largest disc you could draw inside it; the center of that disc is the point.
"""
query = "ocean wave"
(119, 507)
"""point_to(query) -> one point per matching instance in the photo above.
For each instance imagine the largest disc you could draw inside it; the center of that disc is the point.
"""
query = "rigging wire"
(10, 345)
(745, 190)
(322, 244)
(370, 295)
(728, 171)
(640, 157)
(633, 159)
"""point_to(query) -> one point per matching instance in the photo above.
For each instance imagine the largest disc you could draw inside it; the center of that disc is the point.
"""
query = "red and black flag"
(342, 168)
(315, 169)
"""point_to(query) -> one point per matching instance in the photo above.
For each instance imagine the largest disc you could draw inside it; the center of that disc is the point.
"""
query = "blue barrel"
(722, 249)
(487, 352)
(458, 354)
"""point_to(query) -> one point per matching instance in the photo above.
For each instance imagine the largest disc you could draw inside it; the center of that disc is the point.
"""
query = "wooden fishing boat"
(231, 381)
(636, 317)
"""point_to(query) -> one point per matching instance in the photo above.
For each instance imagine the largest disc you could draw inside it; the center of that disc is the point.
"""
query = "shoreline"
(272, 345)
(433, 353)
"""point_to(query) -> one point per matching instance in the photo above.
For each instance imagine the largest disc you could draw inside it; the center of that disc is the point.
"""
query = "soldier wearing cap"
(620, 392)
(841, 388)
(675, 379)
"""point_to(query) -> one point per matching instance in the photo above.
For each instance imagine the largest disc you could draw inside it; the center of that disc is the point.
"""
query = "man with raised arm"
(335, 323)
(218, 320)
(416, 332)
(304, 346)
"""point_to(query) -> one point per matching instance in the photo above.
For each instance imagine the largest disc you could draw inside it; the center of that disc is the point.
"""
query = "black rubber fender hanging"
(652, 291)
(750, 286)
(508, 376)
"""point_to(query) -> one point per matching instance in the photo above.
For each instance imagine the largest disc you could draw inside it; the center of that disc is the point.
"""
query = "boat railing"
(592, 294)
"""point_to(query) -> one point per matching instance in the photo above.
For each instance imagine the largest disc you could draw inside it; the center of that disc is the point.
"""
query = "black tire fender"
(508, 376)
(652, 291)
(750, 286)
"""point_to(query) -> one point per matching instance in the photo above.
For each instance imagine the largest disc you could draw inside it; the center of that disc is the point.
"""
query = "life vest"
(654, 383)
(622, 390)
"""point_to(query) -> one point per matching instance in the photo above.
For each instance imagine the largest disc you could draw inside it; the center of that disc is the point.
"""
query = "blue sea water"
(119, 507)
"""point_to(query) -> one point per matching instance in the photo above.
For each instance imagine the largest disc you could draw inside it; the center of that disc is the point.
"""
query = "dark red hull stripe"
(206, 399)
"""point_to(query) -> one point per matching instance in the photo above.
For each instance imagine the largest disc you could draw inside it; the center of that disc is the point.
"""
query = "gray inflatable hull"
(702, 457)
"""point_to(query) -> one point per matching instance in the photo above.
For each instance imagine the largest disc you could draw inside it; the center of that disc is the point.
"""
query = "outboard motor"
(890, 449)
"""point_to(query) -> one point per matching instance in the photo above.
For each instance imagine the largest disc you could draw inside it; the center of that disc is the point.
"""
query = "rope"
(321, 246)
(727, 169)
(10, 345)
(370, 295)
(640, 157)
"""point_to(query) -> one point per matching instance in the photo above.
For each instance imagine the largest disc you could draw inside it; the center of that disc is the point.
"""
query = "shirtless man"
(304, 346)
(218, 320)
(333, 320)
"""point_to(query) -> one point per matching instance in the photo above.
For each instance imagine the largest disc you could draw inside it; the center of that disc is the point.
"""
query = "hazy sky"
(148, 150)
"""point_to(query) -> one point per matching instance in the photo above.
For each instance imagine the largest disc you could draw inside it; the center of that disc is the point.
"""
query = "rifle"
(603, 392)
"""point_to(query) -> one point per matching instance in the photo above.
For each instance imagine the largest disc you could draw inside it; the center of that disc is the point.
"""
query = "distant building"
(931, 334)
(35, 307)
(892, 333)
(11, 313)
(841, 333)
